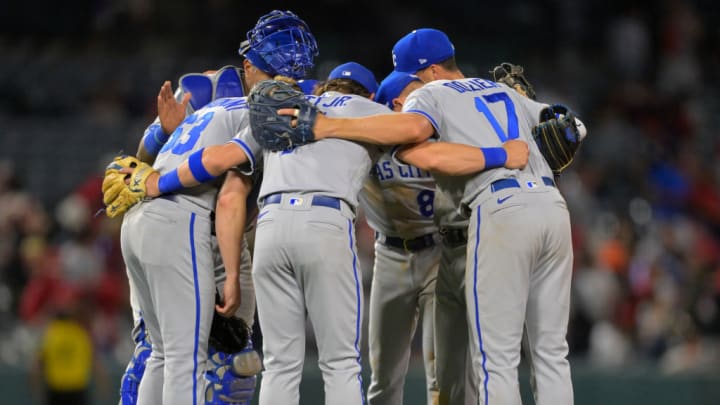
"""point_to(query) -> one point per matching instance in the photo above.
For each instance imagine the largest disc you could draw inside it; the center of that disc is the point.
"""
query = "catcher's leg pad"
(134, 372)
(232, 378)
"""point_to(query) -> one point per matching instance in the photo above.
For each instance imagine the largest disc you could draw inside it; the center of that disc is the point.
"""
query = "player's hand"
(517, 154)
(231, 297)
(319, 128)
(170, 112)
(151, 183)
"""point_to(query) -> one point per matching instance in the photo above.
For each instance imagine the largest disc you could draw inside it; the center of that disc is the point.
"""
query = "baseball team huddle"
(456, 176)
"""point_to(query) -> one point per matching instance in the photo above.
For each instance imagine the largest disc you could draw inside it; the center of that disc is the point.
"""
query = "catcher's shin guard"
(231, 378)
(134, 372)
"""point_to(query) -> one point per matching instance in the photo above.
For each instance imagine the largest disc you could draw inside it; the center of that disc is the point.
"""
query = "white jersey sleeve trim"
(393, 155)
(248, 152)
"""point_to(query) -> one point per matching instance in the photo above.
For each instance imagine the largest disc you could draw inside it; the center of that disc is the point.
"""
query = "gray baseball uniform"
(452, 355)
(168, 249)
(305, 257)
(398, 202)
(519, 256)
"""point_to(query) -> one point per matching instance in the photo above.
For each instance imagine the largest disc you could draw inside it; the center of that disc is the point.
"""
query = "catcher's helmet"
(280, 43)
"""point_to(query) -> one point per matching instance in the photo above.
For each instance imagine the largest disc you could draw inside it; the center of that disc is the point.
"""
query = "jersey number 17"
(512, 129)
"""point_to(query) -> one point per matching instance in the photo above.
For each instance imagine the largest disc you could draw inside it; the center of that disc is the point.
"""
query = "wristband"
(155, 139)
(197, 169)
(494, 157)
(169, 182)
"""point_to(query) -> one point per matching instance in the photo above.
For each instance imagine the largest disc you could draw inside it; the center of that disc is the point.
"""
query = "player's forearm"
(454, 159)
(449, 159)
(202, 166)
(230, 220)
(382, 129)
(144, 156)
(152, 141)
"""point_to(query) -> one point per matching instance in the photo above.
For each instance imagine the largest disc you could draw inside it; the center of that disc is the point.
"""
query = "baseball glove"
(513, 76)
(119, 196)
(557, 136)
(276, 132)
(229, 335)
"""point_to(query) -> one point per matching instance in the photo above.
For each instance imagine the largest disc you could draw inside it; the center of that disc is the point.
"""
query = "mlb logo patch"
(296, 201)
(531, 184)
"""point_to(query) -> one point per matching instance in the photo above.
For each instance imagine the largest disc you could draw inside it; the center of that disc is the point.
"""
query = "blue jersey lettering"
(230, 104)
(385, 170)
(471, 85)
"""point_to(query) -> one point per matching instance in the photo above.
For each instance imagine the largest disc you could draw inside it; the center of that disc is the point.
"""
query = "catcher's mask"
(280, 44)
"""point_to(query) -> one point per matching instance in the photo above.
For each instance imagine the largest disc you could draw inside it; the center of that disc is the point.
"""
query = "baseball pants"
(305, 262)
(519, 266)
(403, 289)
(167, 250)
(453, 363)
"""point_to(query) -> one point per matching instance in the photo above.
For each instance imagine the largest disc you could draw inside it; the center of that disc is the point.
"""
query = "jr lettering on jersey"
(386, 170)
(328, 102)
(471, 85)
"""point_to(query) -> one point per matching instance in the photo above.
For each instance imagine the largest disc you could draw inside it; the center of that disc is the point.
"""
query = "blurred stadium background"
(78, 82)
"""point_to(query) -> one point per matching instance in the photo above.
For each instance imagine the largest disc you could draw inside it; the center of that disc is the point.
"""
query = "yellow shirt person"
(67, 356)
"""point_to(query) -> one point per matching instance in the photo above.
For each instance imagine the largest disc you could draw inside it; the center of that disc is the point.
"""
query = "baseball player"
(197, 90)
(284, 351)
(519, 256)
(170, 289)
(398, 204)
(305, 250)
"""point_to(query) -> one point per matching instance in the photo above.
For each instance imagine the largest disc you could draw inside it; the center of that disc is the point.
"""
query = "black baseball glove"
(557, 136)
(229, 335)
(513, 76)
(276, 132)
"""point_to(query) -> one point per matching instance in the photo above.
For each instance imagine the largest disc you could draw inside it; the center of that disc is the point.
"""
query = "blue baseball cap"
(357, 72)
(307, 85)
(420, 49)
(391, 87)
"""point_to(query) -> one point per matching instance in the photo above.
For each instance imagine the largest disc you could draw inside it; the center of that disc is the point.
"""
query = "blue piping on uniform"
(426, 115)
(477, 310)
(197, 306)
(357, 293)
(247, 150)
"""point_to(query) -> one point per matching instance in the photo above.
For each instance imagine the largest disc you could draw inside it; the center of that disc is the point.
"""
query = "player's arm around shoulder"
(203, 165)
(380, 129)
(454, 159)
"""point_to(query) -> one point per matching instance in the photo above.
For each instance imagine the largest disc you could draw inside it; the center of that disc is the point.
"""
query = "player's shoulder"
(227, 104)
(340, 104)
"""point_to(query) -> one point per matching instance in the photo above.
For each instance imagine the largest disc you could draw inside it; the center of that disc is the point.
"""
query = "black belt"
(502, 184)
(410, 245)
(454, 236)
(317, 200)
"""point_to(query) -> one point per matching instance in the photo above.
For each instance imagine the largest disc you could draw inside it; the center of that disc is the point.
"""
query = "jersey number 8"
(425, 200)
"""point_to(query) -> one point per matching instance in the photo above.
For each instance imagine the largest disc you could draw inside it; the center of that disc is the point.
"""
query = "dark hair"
(449, 64)
(345, 86)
